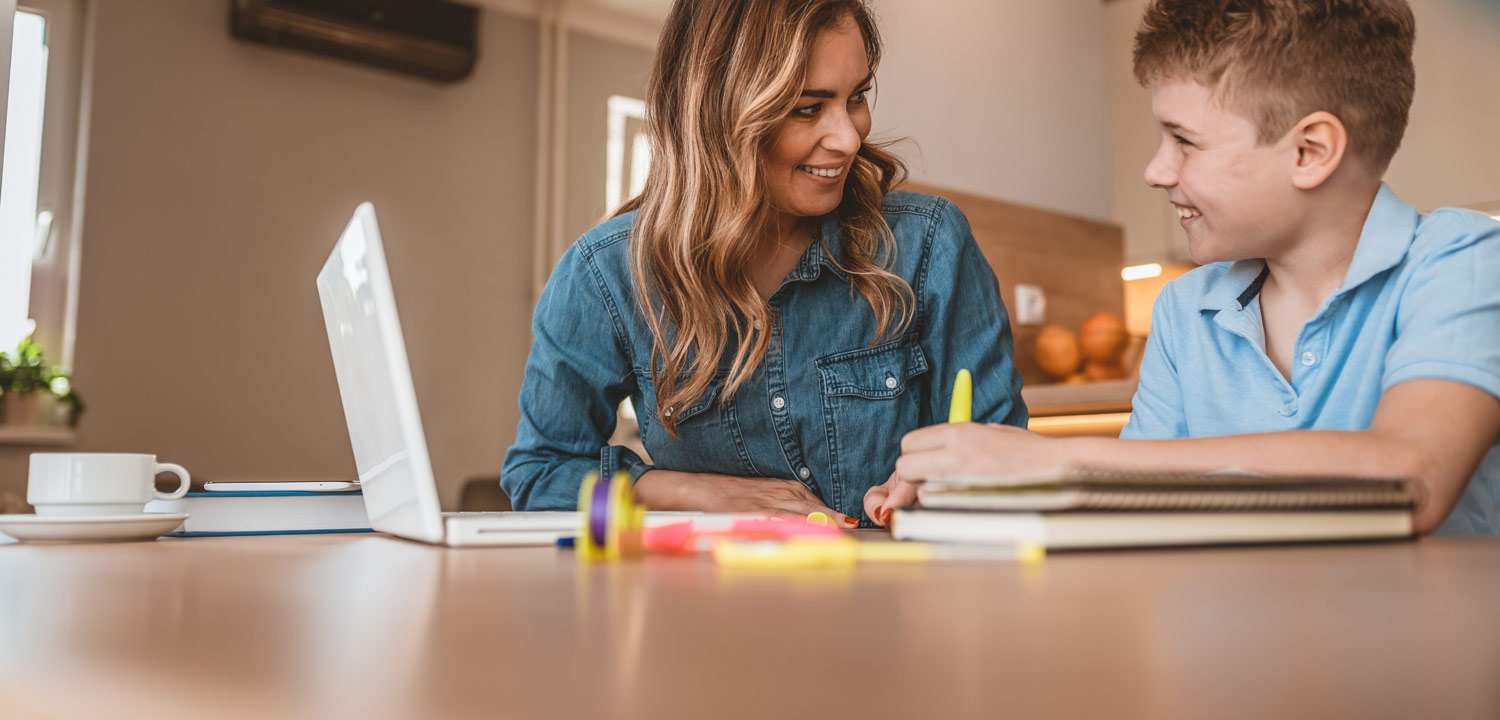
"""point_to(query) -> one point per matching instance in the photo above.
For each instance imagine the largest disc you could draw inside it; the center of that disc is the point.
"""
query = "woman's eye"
(809, 111)
(859, 98)
(1181, 140)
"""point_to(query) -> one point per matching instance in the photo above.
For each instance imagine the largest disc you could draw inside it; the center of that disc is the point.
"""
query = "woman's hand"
(672, 490)
(885, 497)
(975, 450)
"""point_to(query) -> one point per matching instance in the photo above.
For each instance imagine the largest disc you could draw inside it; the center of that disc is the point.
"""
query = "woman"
(777, 315)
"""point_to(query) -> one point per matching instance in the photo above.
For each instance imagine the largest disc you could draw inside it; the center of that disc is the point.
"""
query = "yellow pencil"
(963, 398)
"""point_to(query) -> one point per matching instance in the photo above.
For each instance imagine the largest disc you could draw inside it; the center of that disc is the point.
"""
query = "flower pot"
(29, 409)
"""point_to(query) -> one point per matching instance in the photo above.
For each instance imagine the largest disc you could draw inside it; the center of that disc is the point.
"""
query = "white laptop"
(380, 406)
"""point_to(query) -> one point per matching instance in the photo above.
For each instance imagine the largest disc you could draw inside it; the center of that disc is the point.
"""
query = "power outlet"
(1031, 305)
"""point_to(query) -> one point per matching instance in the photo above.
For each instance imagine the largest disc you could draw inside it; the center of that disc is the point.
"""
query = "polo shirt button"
(803, 473)
(778, 402)
(890, 382)
(1309, 359)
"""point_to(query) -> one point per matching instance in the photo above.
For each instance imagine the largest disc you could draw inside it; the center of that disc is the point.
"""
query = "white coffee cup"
(81, 484)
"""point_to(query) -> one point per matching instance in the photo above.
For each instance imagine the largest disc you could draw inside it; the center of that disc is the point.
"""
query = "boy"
(1333, 328)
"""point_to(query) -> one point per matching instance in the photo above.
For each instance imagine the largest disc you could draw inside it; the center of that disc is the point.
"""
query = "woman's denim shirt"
(825, 407)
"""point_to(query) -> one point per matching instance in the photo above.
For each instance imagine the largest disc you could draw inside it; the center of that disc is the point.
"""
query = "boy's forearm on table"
(1332, 452)
(1310, 452)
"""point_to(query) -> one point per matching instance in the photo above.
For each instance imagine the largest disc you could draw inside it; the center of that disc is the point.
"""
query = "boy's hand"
(975, 450)
(893, 493)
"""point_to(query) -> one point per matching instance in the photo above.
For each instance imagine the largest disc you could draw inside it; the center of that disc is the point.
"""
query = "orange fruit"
(1057, 351)
(1103, 337)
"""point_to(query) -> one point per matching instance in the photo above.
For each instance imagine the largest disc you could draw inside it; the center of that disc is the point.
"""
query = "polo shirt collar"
(1385, 239)
(1236, 287)
(1383, 242)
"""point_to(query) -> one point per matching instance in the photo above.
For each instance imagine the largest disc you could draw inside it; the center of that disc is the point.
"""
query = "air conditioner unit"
(435, 39)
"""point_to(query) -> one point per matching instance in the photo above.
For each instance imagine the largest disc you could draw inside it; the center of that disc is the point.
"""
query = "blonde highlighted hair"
(726, 75)
(1278, 61)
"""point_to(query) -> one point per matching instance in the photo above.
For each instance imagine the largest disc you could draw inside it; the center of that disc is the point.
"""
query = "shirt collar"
(814, 259)
(1383, 242)
(1236, 287)
(1387, 235)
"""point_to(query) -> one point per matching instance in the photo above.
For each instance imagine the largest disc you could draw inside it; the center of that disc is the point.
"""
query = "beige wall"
(1451, 154)
(1004, 98)
(598, 69)
(221, 173)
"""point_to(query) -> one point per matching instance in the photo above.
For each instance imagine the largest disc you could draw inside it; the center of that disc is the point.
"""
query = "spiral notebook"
(1117, 490)
(1100, 508)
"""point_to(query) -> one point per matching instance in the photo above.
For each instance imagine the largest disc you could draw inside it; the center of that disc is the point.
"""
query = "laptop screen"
(380, 404)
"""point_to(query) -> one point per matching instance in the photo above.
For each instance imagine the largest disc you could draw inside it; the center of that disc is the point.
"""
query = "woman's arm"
(670, 490)
(577, 373)
(963, 326)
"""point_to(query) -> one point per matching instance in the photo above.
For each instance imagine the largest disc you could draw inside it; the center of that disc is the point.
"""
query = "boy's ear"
(1320, 140)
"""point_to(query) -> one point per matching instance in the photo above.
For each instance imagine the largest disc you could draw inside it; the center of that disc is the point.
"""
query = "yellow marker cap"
(963, 398)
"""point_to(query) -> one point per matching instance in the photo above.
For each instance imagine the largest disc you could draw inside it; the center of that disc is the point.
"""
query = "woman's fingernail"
(885, 516)
(851, 520)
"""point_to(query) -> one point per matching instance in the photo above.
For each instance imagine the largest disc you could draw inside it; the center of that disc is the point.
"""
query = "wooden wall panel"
(1075, 261)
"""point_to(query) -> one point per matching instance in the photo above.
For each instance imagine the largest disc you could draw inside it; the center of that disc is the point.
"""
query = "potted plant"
(31, 391)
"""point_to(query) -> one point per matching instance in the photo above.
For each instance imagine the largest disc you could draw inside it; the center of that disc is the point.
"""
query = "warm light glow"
(1099, 424)
(1141, 272)
(1062, 421)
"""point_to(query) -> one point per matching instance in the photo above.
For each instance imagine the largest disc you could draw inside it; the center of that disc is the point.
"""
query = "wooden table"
(366, 626)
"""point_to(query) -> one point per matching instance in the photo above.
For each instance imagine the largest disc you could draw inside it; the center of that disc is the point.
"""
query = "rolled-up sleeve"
(1448, 325)
(576, 375)
(965, 325)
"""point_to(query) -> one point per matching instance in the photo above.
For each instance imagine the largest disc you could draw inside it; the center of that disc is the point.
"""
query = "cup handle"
(182, 475)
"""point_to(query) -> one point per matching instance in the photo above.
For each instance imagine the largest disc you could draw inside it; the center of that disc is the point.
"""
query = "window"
(625, 165)
(23, 158)
(38, 238)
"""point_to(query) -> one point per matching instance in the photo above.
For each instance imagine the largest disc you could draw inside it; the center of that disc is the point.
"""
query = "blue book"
(266, 513)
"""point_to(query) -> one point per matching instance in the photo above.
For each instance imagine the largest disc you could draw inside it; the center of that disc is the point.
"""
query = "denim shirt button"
(890, 382)
(668, 412)
(803, 473)
(778, 402)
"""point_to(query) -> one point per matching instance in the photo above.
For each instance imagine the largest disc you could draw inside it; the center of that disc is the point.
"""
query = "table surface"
(368, 626)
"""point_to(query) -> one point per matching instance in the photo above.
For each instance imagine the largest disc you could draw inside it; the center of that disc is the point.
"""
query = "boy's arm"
(1433, 431)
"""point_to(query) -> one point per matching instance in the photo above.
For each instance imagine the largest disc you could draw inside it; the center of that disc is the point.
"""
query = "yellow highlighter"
(963, 398)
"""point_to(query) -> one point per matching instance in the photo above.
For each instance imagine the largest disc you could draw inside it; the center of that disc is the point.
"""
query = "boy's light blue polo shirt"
(1421, 300)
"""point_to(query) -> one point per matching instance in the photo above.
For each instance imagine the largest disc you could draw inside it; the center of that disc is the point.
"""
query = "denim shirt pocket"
(704, 430)
(870, 399)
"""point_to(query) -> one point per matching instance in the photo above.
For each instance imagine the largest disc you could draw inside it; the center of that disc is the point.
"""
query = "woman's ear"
(1320, 140)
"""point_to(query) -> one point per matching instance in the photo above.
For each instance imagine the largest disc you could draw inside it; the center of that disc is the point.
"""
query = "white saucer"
(98, 528)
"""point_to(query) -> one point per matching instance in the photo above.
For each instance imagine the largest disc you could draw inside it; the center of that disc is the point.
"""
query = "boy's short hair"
(1276, 61)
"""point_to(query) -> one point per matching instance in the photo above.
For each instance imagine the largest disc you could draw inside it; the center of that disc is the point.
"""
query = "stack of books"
(1098, 508)
(266, 513)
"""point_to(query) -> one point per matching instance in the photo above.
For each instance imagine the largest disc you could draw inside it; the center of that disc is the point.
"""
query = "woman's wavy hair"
(727, 74)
